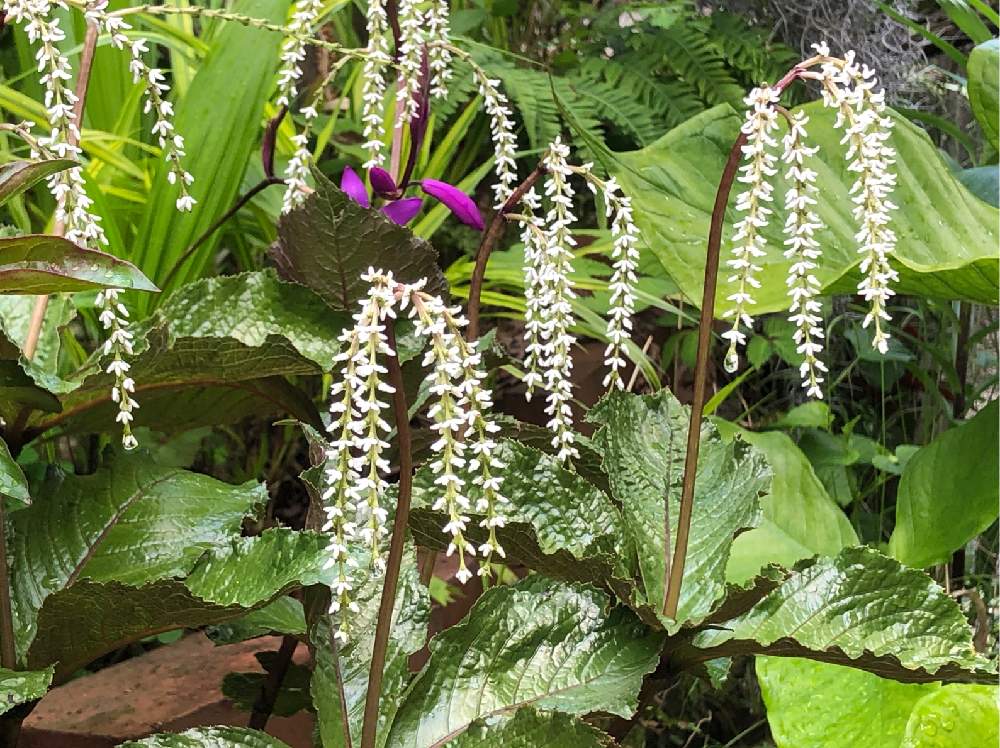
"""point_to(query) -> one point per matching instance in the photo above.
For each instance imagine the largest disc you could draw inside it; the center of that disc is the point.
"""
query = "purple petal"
(402, 211)
(457, 202)
(351, 183)
(382, 182)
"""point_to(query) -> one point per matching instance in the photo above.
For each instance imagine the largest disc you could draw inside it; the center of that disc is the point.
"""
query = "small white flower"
(502, 133)
(293, 50)
(411, 50)
(438, 56)
(373, 82)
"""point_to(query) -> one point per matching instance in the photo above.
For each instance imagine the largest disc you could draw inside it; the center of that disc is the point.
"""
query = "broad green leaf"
(954, 717)
(41, 264)
(947, 236)
(13, 485)
(214, 352)
(284, 616)
(18, 390)
(15, 318)
(208, 737)
(643, 440)
(948, 493)
(800, 520)
(20, 686)
(984, 88)
(532, 729)
(557, 522)
(132, 522)
(329, 241)
(983, 182)
(18, 176)
(814, 703)
(540, 644)
(861, 609)
(348, 668)
(221, 125)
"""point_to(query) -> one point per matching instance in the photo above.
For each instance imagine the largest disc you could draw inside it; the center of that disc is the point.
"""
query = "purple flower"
(401, 210)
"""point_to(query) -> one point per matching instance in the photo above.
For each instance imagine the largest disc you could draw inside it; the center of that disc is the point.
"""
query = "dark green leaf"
(209, 737)
(643, 441)
(243, 689)
(40, 264)
(283, 616)
(947, 236)
(20, 686)
(948, 493)
(541, 644)
(532, 729)
(18, 176)
(861, 609)
(983, 182)
(13, 485)
(329, 241)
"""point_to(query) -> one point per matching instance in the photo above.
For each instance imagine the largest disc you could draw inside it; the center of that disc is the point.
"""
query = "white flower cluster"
(297, 169)
(68, 188)
(155, 89)
(438, 55)
(760, 122)
(803, 250)
(502, 132)
(373, 82)
(852, 90)
(411, 51)
(355, 463)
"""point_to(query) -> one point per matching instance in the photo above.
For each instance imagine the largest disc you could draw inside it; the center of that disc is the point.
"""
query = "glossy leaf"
(20, 686)
(18, 176)
(329, 241)
(814, 703)
(532, 729)
(861, 609)
(947, 236)
(541, 644)
(209, 737)
(983, 182)
(948, 493)
(13, 486)
(215, 352)
(984, 88)
(643, 442)
(557, 522)
(40, 264)
(348, 668)
(800, 520)
(283, 616)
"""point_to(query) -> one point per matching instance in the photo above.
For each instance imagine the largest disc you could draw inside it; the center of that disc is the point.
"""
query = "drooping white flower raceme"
(438, 55)
(535, 275)
(803, 250)
(555, 296)
(73, 206)
(293, 49)
(852, 90)
(758, 168)
(373, 82)
(355, 494)
(410, 53)
(297, 170)
(502, 132)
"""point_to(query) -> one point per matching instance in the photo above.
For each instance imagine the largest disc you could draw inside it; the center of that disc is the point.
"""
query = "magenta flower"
(401, 210)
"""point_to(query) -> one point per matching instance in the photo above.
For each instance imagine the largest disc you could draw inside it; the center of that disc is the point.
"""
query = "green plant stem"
(383, 626)
(490, 239)
(675, 568)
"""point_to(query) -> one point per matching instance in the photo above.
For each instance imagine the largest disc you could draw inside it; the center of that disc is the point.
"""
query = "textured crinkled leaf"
(245, 571)
(349, 668)
(20, 686)
(13, 485)
(956, 716)
(329, 241)
(643, 441)
(984, 88)
(209, 737)
(814, 703)
(214, 352)
(557, 522)
(283, 616)
(15, 318)
(800, 520)
(41, 264)
(861, 609)
(529, 728)
(18, 176)
(949, 492)
(947, 236)
(131, 522)
(543, 644)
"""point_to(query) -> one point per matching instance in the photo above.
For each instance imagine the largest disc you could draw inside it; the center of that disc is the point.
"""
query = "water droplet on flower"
(732, 362)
